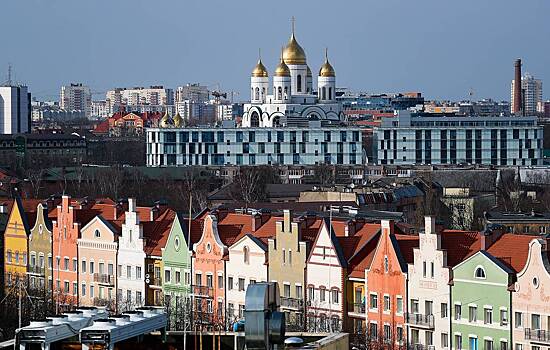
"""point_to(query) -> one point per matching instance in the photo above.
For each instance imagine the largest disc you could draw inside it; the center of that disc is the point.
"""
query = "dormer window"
(480, 273)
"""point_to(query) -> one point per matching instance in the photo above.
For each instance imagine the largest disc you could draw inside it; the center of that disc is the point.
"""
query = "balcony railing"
(292, 303)
(104, 279)
(155, 281)
(203, 291)
(420, 320)
(539, 335)
(37, 270)
(357, 308)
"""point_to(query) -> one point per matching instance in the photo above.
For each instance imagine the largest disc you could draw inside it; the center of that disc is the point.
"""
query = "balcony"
(420, 347)
(538, 335)
(36, 270)
(420, 320)
(103, 278)
(357, 308)
(202, 291)
(292, 303)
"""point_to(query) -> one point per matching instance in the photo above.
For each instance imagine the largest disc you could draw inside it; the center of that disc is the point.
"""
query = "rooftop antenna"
(9, 74)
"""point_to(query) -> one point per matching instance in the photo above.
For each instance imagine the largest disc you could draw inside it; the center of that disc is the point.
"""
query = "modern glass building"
(423, 139)
(254, 146)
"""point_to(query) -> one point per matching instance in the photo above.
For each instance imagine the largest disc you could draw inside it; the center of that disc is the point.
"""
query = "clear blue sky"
(439, 47)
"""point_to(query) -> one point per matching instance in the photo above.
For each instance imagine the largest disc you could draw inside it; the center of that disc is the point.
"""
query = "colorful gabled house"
(482, 291)
(40, 252)
(97, 255)
(18, 228)
(386, 282)
(429, 293)
(531, 299)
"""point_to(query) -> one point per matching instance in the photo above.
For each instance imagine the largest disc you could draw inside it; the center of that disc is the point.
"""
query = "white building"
(246, 265)
(417, 138)
(15, 110)
(76, 97)
(291, 96)
(99, 110)
(429, 292)
(531, 92)
(136, 99)
(131, 260)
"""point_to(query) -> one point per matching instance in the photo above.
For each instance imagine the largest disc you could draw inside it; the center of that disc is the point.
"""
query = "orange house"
(208, 266)
(386, 281)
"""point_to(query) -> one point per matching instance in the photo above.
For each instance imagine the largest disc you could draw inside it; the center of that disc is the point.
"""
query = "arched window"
(246, 255)
(299, 83)
(330, 93)
(97, 234)
(386, 262)
(257, 95)
(263, 93)
(279, 93)
(324, 93)
(251, 92)
(480, 272)
(286, 92)
(255, 120)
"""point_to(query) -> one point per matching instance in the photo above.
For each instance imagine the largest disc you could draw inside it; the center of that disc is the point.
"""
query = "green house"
(176, 281)
(481, 303)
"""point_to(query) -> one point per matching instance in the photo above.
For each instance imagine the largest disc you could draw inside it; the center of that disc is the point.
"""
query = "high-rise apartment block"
(76, 97)
(192, 92)
(133, 99)
(15, 109)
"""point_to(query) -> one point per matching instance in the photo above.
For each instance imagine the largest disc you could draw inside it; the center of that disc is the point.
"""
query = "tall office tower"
(15, 109)
(76, 97)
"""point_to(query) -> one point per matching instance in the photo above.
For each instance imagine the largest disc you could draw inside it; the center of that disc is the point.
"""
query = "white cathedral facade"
(291, 98)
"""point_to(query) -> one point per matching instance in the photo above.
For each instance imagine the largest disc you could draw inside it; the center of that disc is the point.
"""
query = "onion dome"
(293, 52)
(260, 71)
(165, 121)
(282, 69)
(178, 120)
(326, 69)
(309, 74)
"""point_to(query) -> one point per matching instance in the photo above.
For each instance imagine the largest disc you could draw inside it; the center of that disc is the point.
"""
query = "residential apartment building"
(76, 97)
(15, 110)
(411, 138)
(254, 146)
(139, 99)
(531, 93)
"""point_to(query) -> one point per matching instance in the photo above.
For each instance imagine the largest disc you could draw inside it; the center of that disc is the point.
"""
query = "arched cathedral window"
(299, 83)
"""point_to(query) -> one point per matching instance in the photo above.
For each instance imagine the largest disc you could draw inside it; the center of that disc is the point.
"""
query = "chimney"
(256, 221)
(517, 107)
(490, 235)
(429, 225)
(131, 204)
(386, 226)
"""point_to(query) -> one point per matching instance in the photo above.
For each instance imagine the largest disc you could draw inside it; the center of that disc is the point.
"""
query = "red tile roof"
(512, 250)
(407, 243)
(156, 232)
(460, 245)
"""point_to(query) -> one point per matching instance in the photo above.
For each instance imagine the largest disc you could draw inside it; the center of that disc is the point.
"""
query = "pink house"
(97, 254)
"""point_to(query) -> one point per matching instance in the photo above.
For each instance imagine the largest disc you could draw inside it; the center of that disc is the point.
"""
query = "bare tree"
(34, 178)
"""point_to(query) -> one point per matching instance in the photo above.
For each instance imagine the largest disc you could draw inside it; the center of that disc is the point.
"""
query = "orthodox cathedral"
(292, 99)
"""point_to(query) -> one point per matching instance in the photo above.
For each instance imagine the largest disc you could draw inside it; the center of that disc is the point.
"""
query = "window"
(387, 333)
(386, 264)
(458, 342)
(472, 314)
(480, 272)
(322, 292)
(91, 291)
(374, 301)
(241, 284)
(488, 344)
(83, 264)
(518, 319)
(444, 340)
(373, 331)
(443, 310)
(290, 257)
(97, 234)
(83, 290)
(335, 294)
(424, 269)
(399, 334)
(75, 288)
(230, 283)
(298, 291)
(286, 290)
(386, 303)
(503, 345)
(429, 338)
(178, 277)
(187, 277)
(503, 317)
(284, 256)
(167, 276)
(138, 298)
(414, 306)
(399, 305)
(92, 266)
(432, 269)
(65, 262)
(210, 281)
(458, 312)
(138, 273)
(519, 346)
(488, 316)
(535, 321)
(220, 281)
(246, 255)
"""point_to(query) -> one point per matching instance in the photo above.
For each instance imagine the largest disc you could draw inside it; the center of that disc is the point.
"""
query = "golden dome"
(165, 120)
(178, 120)
(309, 74)
(326, 69)
(293, 52)
(260, 71)
(282, 69)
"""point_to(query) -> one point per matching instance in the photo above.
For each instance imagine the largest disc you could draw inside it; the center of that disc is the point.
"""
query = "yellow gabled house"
(16, 240)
